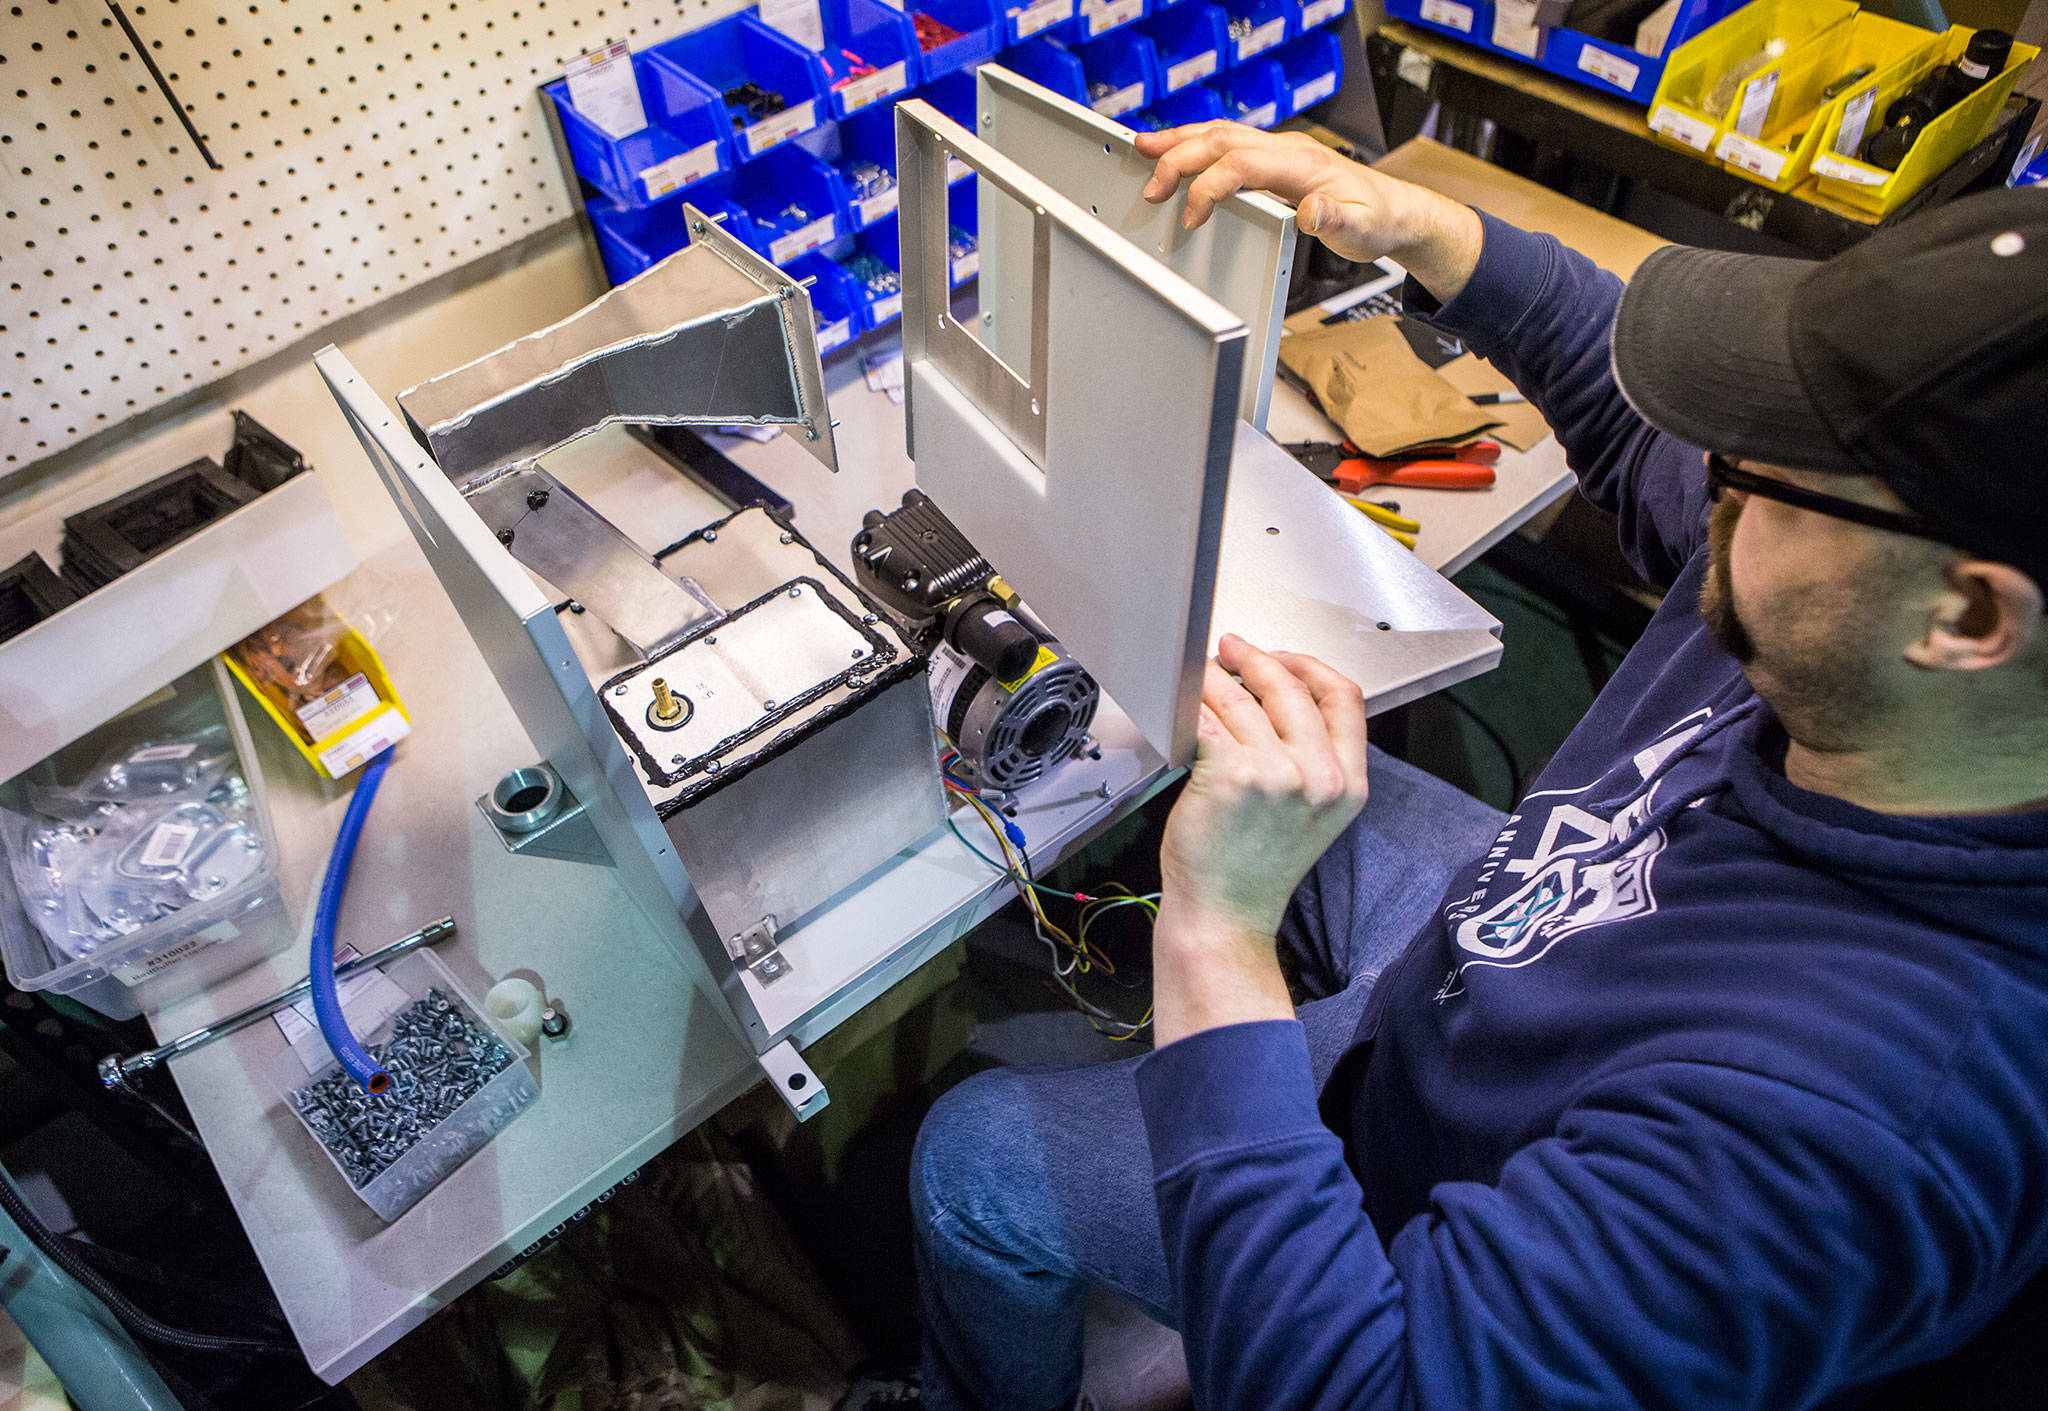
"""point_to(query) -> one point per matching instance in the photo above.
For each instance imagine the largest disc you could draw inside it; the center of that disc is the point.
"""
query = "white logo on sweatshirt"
(1562, 892)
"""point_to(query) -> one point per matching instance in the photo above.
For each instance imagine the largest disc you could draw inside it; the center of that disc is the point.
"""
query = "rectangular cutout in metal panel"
(1097, 485)
(1242, 256)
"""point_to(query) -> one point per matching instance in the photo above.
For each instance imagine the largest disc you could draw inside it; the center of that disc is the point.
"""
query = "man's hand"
(1279, 773)
(1351, 208)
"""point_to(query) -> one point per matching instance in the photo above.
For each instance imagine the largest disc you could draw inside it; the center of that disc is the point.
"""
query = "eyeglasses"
(1724, 474)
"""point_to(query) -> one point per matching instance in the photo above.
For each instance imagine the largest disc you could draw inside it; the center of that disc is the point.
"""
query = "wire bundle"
(1072, 952)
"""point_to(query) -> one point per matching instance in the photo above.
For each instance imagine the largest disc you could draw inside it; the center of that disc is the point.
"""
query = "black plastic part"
(108, 540)
(259, 457)
(29, 593)
(986, 632)
(916, 560)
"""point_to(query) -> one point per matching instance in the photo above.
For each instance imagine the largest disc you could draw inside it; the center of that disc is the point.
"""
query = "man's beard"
(1717, 592)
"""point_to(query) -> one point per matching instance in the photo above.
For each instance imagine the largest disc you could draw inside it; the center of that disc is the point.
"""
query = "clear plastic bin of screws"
(457, 1079)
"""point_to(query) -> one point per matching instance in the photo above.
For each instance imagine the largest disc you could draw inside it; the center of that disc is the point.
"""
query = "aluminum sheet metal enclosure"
(1091, 469)
(1100, 463)
(1243, 255)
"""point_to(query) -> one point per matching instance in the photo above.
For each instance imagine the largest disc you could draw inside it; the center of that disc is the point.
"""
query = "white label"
(956, 170)
(1314, 91)
(966, 267)
(339, 708)
(1855, 117)
(873, 208)
(1682, 127)
(945, 670)
(884, 374)
(1122, 101)
(1262, 38)
(857, 93)
(1189, 71)
(822, 231)
(603, 89)
(1610, 67)
(780, 128)
(156, 753)
(1752, 157)
(1514, 28)
(1033, 18)
(799, 19)
(1265, 115)
(1756, 104)
(142, 971)
(679, 171)
(833, 334)
(1314, 14)
(168, 845)
(364, 743)
(1828, 164)
(1447, 14)
(887, 307)
(368, 998)
(1105, 15)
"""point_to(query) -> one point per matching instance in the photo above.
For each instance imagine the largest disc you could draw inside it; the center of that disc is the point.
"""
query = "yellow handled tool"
(1399, 526)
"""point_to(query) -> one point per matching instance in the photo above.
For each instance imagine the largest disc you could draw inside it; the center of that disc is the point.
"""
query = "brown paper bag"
(1373, 386)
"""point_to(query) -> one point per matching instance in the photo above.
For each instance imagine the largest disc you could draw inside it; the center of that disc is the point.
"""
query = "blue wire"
(326, 1003)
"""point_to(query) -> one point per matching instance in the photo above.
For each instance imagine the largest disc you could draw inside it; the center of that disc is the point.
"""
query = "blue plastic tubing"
(326, 1004)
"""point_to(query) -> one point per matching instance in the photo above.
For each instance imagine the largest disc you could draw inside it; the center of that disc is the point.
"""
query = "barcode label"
(857, 93)
(679, 171)
(168, 845)
(604, 88)
(966, 267)
(339, 708)
(364, 743)
(156, 753)
(1695, 133)
(873, 208)
(1130, 96)
(956, 170)
(1189, 71)
(1033, 18)
(1756, 104)
(821, 231)
(1262, 38)
(1314, 91)
(1611, 67)
(1265, 115)
(1515, 28)
(1314, 14)
(1752, 157)
(1105, 15)
(1447, 14)
(1828, 164)
(887, 307)
(786, 124)
(833, 334)
(142, 971)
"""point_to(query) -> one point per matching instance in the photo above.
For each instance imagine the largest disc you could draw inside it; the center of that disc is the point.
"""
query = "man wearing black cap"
(1717, 1074)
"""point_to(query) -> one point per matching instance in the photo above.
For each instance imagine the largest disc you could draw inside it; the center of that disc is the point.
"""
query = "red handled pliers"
(1467, 467)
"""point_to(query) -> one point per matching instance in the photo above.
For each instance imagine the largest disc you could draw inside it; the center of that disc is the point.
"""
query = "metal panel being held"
(1089, 468)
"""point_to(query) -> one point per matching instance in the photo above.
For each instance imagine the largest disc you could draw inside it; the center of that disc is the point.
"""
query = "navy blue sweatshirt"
(1699, 1090)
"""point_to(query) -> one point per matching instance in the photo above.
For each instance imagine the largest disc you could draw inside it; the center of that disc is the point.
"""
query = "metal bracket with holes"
(794, 1082)
(755, 949)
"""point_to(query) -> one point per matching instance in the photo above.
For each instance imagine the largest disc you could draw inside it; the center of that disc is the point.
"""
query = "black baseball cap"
(1919, 356)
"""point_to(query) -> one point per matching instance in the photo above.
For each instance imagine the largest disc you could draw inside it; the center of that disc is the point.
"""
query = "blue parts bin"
(793, 201)
(876, 265)
(836, 301)
(1259, 25)
(1196, 103)
(1606, 64)
(1193, 40)
(977, 27)
(685, 139)
(774, 88)
(1255, 93)
(1121, 70)
(1313, 66)
(871, 53)
(1049, 65)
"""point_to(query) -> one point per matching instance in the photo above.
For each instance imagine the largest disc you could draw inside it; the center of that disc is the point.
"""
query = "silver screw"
(869, 618)
(711, 536)
(620, 689)
(988, 316)
(796, 592)
(767, 705)
(711, 767)
(789, 539)
(859, 652)
(676, 760)
(1103, 789)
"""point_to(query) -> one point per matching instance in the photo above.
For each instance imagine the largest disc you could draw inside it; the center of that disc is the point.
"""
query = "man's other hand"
(1279, 773)
(1353, 209)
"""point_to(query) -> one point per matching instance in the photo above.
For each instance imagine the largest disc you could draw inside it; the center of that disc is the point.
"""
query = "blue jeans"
(1030, 1186)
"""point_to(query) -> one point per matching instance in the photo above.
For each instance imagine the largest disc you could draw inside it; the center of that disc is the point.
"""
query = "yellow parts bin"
(1778, 115)
(324, 685)
(1696, 101)
(1845, 177)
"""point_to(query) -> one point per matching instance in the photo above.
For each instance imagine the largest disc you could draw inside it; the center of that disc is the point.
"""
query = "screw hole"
(796, 1082)
(1386, 627)
(1272, 529)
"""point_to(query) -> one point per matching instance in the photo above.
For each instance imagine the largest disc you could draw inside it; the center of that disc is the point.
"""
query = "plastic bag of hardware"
(317, 673)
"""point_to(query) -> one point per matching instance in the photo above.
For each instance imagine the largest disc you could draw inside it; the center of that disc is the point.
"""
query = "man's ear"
(1989, 614)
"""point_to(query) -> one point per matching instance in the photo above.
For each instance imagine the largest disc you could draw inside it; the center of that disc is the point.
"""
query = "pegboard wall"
(364, 146)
